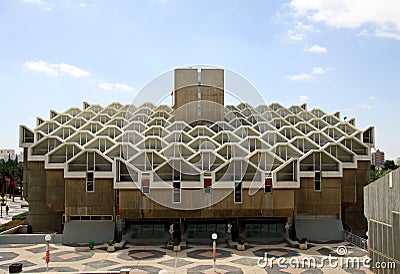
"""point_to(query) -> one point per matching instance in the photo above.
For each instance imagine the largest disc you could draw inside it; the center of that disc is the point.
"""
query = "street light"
(214, 236)
(47, 238)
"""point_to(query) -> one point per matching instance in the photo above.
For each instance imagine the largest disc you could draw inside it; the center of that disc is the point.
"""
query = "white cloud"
(364, 32)
(291, 35)
(301, 76)
(82, 5)
(297, 33)
(34, 1)
(56, 69)
(318, 70)
(303, 98)
(306, 76)
(364, 105)
(387, 34)
(382, 16)
(317, 49)
(371, 98)
(116, 86)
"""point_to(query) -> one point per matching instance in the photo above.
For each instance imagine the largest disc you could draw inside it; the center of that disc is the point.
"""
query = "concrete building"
(382, 209)
(198, 165)
(378, 158)
(397, 161)
(6, 154)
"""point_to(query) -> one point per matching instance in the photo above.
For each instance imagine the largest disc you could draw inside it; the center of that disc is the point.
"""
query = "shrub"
(21, 216)
(175, 241)
(240, 241)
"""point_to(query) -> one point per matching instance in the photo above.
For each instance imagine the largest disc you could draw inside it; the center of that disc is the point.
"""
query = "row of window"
(207, 186)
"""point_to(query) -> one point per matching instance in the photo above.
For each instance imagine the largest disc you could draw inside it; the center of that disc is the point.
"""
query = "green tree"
(2, 177)
(389, 165)
(15, 173)
(11, 175)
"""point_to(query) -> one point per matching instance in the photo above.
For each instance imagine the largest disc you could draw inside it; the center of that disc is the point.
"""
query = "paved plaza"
(152, 259)
(195, 258)
(16, 207)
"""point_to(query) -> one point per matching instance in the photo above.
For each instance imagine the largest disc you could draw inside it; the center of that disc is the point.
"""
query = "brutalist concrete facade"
(120, 162)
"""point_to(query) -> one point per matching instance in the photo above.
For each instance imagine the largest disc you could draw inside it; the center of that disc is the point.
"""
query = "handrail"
(355, 240)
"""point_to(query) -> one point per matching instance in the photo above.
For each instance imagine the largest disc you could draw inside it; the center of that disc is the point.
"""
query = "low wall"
(29, 238)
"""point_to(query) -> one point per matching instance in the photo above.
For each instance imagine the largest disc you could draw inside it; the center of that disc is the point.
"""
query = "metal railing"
(355, 240)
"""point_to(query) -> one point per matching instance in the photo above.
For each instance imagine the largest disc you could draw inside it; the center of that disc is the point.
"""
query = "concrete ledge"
(120, 245)
(29, 238)
(12, 230)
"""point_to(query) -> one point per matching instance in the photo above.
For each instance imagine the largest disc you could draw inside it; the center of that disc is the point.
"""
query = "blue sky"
(335, 55)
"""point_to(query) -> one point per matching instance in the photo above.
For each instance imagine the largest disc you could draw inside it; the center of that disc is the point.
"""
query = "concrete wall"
(133, 205)
(80, 202)
(324, 202)
(55, 189)
(353, 209)
(41, 217)
(382, 209)
(30, 239)
(191, 101)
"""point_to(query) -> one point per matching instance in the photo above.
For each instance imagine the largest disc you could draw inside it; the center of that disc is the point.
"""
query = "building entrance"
(264, 228)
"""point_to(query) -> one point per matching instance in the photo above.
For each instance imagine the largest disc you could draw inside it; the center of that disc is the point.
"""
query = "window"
(177, 192)
(268, 185)
(317, 181)
(146, 184)
(238, 192)
(90, 181)
(207, 184)
(90, 160)
(117, 196)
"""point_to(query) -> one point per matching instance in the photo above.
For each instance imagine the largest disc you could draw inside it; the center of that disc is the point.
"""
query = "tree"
(11, 174)
(14, 172)
(389, 165)
(3, 176)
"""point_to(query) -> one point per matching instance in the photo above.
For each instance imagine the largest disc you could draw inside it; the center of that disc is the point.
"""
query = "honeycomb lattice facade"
(137, 163)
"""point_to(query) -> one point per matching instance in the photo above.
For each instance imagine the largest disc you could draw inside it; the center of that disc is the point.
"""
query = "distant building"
(397, 161)
(6, 154)
(382, 210)
(378, 158)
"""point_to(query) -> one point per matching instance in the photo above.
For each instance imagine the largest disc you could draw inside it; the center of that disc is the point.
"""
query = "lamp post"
(214, 236)
(47, 238)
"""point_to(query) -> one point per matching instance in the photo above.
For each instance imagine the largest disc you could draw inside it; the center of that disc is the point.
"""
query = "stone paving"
(152, 259)
(15, 208)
